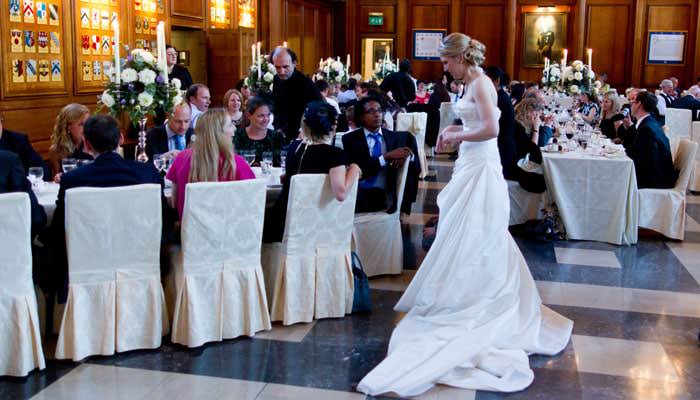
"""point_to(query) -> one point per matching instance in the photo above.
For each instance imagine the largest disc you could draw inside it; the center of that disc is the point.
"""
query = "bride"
(473, 311)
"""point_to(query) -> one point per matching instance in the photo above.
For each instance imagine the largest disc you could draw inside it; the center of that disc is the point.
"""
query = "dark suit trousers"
(530, 181)
(370, 200)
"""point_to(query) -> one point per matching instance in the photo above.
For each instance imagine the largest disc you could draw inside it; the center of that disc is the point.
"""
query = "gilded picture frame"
(544, 35)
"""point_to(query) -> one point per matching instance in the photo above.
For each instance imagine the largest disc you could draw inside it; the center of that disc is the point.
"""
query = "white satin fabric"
(115, 298)
(694, 184)
(663, 210)
(376, 236)
(20, 339)
(309, 274)
(415, 123)
(473, 311)
(216, 287)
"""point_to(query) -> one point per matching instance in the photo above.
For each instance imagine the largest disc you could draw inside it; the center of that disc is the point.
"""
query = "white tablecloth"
(596, 196)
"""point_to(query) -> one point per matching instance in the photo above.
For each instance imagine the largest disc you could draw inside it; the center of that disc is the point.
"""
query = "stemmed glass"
(69, 164)
(249, 156)
(266, 162)
(159, 162)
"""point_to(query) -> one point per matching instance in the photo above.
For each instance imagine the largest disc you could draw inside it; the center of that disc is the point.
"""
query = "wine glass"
(283, 160)
(68, 164)
(266, 162)
(159, 162)
(249, 156)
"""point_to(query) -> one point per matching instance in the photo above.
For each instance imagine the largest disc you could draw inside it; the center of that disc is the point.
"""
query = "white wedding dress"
(473, 311)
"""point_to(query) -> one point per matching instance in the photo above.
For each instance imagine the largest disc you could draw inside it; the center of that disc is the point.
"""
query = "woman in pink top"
(210, 158)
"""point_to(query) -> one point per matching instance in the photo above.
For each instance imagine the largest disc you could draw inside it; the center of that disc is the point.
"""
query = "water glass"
(266, 162)
(159, 162)
(283, 160)
(69, 164)
(82, 163)
(249, 156)
(36, 174)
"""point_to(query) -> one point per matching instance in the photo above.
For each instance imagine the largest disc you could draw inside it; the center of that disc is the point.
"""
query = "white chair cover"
(416, 124)
(309, 274)
(447, 117)
(678, 126)
(216, 287)
(376, 236)
(663, 210)
(20, 339)
(695, 175)
(115, 298)
(524, 206)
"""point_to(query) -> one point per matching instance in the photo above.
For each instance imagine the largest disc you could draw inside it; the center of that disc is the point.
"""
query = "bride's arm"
(489, 127)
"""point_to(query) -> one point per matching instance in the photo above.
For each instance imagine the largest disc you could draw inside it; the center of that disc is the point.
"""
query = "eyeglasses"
(373, 111)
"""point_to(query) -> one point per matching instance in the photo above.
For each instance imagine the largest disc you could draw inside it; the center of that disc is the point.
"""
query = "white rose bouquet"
(261, 81)
(384, 68)
(579, 78)
(141, 89)
(332, 71)
(551, 76)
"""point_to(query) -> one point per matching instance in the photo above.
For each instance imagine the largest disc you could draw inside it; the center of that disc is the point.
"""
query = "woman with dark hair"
(590, 110)
(313, 155)
(440, 95)
(257, 136)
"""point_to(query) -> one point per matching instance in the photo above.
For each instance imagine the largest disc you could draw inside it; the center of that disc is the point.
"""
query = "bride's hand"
(449, 136)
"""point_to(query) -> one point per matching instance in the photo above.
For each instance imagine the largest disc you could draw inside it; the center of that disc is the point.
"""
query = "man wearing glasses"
(176, 70)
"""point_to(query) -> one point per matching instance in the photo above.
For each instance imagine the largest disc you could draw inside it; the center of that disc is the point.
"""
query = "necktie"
(375, 152)
(179, 142)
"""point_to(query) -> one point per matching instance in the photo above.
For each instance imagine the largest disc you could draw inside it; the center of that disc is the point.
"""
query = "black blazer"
(13, 179)
(157, 140)
(18, 143)
(401, 87)
(688, 103)
(357, 151)
(108, 170)
(291, 97)
(183, 74)
(651, 154)
(507, 147)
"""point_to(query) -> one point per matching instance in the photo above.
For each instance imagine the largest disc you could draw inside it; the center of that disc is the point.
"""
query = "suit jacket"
(357, 151)
(401, 87)
(183, 74)
(18, 143)
(507, 147)
(291, 97)
(688, 103)
(157, 140)
(108, 170)
(14, 179)
(651, 154)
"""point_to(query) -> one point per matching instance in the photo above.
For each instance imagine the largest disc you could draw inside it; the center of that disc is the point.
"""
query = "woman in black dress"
(611, 117)
(314, 155)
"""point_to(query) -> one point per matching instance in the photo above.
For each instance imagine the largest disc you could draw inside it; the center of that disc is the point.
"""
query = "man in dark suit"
(14, 179)
(400, 84)
(291, 92)
(689, 102)
(506, 122)
(650, 149)
(379, 154)
(102, 138)
(174, 135)
(18, 143)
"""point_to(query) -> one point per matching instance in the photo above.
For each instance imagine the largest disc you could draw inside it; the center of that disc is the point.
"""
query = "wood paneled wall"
(617, 30)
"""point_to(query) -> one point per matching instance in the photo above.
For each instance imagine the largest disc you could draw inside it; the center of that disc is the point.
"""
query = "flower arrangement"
(578, 77)
(384, 68)
(261, 74)
(551, 75)
(140, 90)
(332, 71)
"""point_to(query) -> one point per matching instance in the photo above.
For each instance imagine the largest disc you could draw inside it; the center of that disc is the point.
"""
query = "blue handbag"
(362, 301)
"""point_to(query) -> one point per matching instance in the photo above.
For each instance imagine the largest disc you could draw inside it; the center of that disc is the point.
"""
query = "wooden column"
(579, 50)
(510, 23)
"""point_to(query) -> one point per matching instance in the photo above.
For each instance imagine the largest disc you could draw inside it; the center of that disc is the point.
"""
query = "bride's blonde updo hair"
(472, 52)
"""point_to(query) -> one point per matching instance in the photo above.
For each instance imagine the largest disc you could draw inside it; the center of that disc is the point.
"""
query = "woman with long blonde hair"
(473, 311)
(67, 137)
(211, 157)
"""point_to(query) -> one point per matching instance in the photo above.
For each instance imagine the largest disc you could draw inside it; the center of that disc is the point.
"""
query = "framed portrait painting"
(544, 35)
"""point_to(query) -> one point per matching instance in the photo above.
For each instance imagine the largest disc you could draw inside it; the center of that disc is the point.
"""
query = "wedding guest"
(242, 87)
(664, 100)
(627, 132)
(690, 102)
(363, 89)
(650, 150)
(199, 99)
(589, 110)
(524, 143)
(517, 91)
(13, 178)
(18, 143)
(257, 136)
(291, 92)
(233, 103)
(347, 95)
(400, 84)
(506, 121)
(440, 95)
(676, 88)
(67, 137)
(324, 88)
(380, 153)
(211, 157)
(422, 95)
(456, 90)
(611, 115)
(176, 70)
(173, 136)
(313, 155)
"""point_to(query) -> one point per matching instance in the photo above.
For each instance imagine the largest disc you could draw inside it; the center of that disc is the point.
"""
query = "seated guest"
(664, 100)
(524, 142)
(257, 136)
(626, 132)
(690, 102)
(13, 178)
(233, 103)
(676, 87)
(175, 70)
(173, 136)
(611, 115)
(650, 149)
(590, 110)
(67, 137)
(198, 97)
(102, 137)
(362, 90)
(379, 153)
(18, 143)
(211, 157)
(422, 95)
(313, 155)
(325, 90)
(347, 95)
(242, 87)
(517, 90)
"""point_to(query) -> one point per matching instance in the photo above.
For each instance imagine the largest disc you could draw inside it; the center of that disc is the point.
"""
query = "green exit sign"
(376, 19)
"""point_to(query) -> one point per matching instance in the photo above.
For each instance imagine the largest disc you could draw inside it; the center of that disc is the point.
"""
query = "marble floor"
(636, 313)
